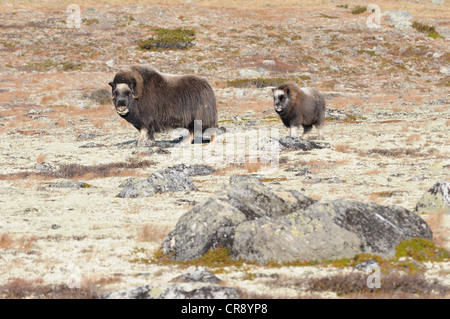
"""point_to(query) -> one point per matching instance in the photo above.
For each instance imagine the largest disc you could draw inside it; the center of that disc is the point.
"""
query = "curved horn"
(138, 85)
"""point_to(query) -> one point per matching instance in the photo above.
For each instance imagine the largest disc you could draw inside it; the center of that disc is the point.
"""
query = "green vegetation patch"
(49, 64)
(171, 39)
(259, 82)
(214, 258)
(421, 250)
(428, 29)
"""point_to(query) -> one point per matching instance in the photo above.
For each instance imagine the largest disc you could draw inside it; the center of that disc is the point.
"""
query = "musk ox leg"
(293, 131)
(319, 131)
(306, 130)
(145, 136)
(188, 139)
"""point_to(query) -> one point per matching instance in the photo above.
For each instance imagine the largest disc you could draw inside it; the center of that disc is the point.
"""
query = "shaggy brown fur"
(296, 106)
(154, 101)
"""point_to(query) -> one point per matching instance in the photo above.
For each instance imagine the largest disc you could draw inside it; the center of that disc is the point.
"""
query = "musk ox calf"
(153, 102)
(300, 106)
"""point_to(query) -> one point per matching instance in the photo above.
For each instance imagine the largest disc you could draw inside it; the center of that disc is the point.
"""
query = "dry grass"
(413, 138)
(441, 232)
(397, 152)
(416, 9)
(41, 158)
(250, 167)
(17, 288)
(342, 148)
(153, 233)
(23, 243)
(355, 284)
(77, 171)
(343, 103)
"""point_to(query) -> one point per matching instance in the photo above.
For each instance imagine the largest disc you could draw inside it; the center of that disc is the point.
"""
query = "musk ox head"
(126, 89)
(281, 99)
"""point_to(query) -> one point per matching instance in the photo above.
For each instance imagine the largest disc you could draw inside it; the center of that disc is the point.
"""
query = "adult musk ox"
(154, 101)
(300, 106)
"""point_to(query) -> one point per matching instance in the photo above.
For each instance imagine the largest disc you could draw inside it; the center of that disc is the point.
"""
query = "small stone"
(160, 181)
(436, 199)
(197, 274)
(269, 62)
(445, 70)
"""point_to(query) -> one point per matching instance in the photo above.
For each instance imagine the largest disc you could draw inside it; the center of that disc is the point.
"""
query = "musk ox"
(153, 102)
(300, 106)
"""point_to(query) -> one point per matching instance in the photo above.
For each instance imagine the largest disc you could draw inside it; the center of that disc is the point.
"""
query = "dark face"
(122, 98)
(281, 100)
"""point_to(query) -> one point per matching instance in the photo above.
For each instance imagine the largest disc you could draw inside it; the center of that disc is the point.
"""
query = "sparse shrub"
(214, 258)
(85, 171)
(356, 283)
(175, 39)
(124, 21)
(71, 66)
(100, 96)
(17, 288)
(428, 29)
(359, 9)
(395, 152)
(90, 21)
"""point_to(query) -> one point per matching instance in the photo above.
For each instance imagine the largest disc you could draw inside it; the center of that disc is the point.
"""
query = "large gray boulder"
(212, 223)
(328, 230)
(261, 224)
(161, 181)
(436, 199)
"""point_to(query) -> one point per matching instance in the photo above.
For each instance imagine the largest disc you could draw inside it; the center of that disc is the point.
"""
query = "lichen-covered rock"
(174, 291)
(298, 143)
(212, 223)
(193, 169)
(401, 19)
(261, 224)
(66, 184)
(272, 144)
(328, 230)
(197, 274)
(436, 199)
(160, 181)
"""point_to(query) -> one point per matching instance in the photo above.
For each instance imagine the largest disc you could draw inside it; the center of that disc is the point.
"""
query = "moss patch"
(427, 29)
(172, 39)
(421, 250)
(359, 9)
(214, 258)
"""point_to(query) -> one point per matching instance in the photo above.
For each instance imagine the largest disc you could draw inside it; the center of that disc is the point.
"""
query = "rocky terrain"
(86, 213)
